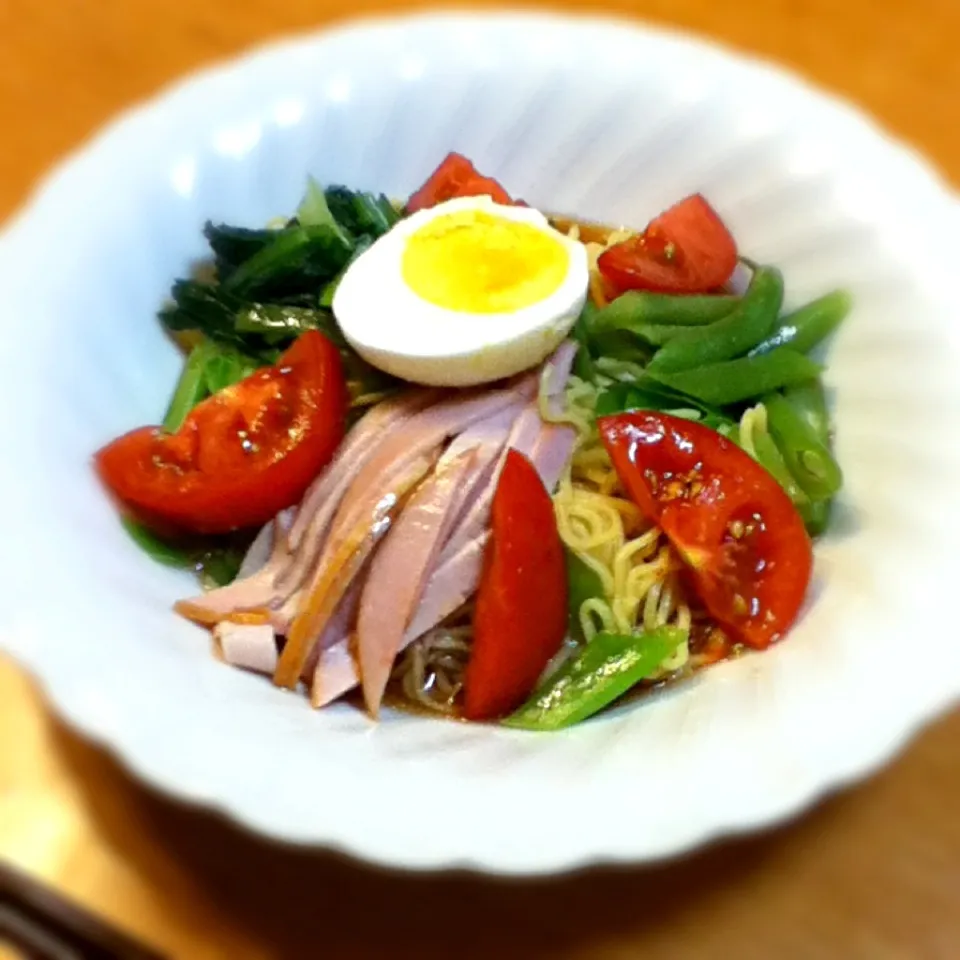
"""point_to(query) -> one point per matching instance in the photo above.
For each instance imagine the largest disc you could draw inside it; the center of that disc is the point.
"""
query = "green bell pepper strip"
(583, 584)
(809, 402)
(734, 381)
(733, 335)
(602, 670)
(816, 515)
(768, 455)
(803, 329)
(807, 456)
(659, 334)
(635, 311)
(765, 451)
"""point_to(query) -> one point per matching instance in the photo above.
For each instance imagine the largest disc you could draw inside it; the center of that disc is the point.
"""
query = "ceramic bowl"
(612, 121)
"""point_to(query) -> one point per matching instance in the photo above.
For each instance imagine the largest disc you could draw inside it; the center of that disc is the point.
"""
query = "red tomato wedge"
(520, 617)
(241, 455)
(687, 249)
(456, 177)
(748, 553)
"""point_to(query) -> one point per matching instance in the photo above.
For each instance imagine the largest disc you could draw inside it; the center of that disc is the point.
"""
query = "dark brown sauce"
(395, 699)
(703, 633)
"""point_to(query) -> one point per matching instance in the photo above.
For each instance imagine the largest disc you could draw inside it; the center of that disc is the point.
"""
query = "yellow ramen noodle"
(633, 559)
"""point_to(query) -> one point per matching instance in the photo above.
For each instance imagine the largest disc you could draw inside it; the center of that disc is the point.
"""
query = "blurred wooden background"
(872, 874)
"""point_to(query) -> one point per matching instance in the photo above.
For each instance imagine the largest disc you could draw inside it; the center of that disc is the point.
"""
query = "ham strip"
(257, 591)
(338, 628)
(552, 452)
(523, 437)
(334, 675)
(420, 434)
(252, 647)
(259, 552)
(555, 374)
(359, 445)
(398, 572)
(452, 584)
(272, 585)
(340, 567)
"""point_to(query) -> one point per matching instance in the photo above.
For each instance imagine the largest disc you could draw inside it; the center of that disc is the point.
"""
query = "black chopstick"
(45, 926)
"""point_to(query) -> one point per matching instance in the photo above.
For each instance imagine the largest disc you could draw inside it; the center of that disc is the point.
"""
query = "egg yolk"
(476, 262)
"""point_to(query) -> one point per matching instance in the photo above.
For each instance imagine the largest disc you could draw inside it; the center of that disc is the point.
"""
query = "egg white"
(394, 329)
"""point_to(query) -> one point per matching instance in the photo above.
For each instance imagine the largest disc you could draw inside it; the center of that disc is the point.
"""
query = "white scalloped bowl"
(804, 181)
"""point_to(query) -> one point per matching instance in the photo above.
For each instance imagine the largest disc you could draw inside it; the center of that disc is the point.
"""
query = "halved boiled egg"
(466, 292)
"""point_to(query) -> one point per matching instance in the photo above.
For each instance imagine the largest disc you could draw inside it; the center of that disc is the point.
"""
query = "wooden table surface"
(873, 874)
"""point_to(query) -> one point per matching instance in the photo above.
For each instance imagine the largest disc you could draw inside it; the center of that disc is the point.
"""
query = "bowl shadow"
(298, 902)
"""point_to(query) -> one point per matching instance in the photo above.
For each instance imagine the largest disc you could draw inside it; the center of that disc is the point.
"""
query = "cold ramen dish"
(499, 464)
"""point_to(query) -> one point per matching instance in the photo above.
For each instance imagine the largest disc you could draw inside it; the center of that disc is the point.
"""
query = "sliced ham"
(338, 628)
(339, 567)
(315, 508)
(552, 452)
(320, 504)
(523, 436)
(450, 586)
(556, 441)
(555, 374)
(453, 583)
(421, 433)
(334, 675)
(258, 553)
(257, 591)
(250, 646)
(399, 569)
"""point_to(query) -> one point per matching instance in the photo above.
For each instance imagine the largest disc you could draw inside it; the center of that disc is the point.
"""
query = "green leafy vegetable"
(163, 551)
(191, 387)
(279, 324)
(650, 395)
(314, 211)
(326, 295)
(219, 564)
(602, 670)
(209, 368)
(216, 559)
(299, 260)
(232, 246)
(204, 307)
(361, 214)
(226, 367)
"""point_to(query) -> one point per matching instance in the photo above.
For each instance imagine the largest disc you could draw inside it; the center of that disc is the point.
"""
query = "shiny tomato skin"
(748, 554)
(520, 616)
(687, 249)
(456, 177)
(243, 454)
